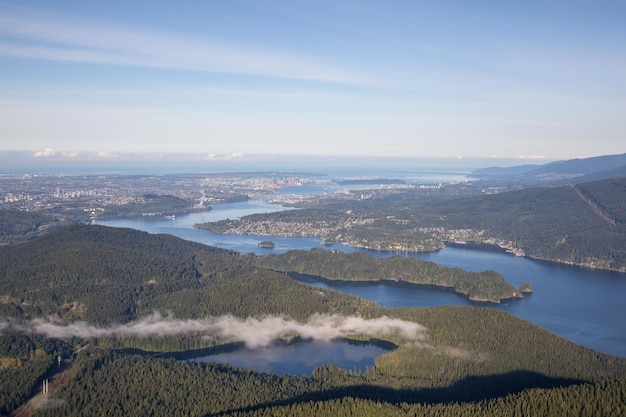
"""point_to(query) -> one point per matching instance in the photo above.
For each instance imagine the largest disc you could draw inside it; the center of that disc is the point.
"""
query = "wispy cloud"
(52, 153)
(60, 38)
(253, 331)
(46, 153)
(215, 157)
(532, 157)
(71, 154)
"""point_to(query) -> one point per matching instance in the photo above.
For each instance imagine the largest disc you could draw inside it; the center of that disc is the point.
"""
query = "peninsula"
(486, 286)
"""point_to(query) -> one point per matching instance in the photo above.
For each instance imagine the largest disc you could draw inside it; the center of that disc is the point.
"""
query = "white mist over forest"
(254, 332)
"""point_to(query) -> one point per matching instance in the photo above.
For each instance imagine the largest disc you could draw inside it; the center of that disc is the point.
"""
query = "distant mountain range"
(568, 172)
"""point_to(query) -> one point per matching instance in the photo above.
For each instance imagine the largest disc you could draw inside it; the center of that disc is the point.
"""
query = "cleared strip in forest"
(594, 206)
(59, 378)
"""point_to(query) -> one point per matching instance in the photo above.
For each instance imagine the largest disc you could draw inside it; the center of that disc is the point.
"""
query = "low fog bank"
(252, 331)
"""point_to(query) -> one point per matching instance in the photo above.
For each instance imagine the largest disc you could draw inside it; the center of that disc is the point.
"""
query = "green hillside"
(18, 226)
(360, 266)
(583, 225)
(466, 360)
(99, 274)
(148, 204)
(111, 275)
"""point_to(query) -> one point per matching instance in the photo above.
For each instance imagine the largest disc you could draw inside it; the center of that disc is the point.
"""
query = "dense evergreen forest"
(360, 266)
(112, 275)
(132, 385)
(149, 205)
(583, 225)
(467, 361)
(18, 226)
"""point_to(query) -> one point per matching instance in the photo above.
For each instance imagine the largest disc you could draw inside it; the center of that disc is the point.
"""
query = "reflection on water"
(392, 294)
(300, 358)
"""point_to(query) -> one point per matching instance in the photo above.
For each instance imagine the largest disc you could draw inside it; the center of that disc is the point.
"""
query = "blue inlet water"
(587, 307)
(301, 358)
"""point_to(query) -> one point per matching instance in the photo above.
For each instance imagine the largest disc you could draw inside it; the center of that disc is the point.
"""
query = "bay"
(581, 305)
(182, 227)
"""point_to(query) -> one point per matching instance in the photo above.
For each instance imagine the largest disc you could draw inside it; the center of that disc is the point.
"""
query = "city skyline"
(533, 81)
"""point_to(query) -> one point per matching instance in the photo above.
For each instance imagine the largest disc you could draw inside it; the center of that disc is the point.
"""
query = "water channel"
(585, 306)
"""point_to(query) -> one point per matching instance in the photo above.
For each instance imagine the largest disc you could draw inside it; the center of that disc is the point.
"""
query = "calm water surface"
(585, 306)
(301, 358)
(182, 227)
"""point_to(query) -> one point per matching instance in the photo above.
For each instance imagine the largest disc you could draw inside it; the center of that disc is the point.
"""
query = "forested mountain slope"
(110, 275)
(92, 279)
(18, 226)
(567, 172)
(98, 273)
(583, 225)
(583, 166)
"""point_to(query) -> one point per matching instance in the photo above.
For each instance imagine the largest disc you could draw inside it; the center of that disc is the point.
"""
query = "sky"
(524, 80)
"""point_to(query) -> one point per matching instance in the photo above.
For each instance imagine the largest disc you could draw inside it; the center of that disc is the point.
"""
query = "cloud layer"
(253, 332)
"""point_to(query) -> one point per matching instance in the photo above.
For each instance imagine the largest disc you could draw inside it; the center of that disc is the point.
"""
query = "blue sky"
(535, 80)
